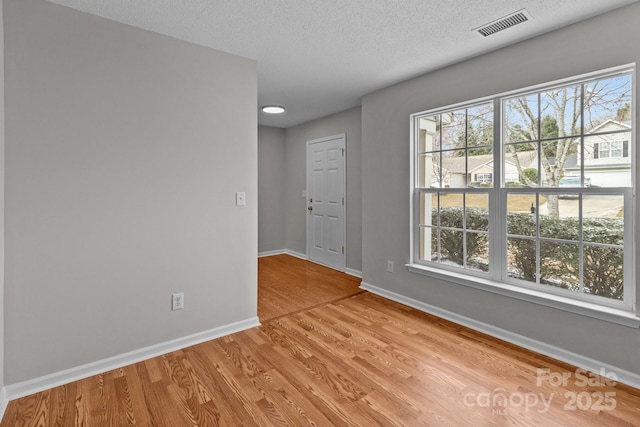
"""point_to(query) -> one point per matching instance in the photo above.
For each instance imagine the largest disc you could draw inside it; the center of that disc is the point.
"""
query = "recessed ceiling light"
(273, 109)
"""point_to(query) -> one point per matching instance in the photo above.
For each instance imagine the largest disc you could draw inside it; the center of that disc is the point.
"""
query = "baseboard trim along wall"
(271, 253)
(355, 273)
(296, 254)
(25, 388)
(626, 377)
(283, 252)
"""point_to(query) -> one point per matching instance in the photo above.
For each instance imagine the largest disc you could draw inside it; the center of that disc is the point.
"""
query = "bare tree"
(574, 109)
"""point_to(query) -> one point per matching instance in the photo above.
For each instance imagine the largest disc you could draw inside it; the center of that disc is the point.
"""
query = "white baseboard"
(25, 388)
(271, 253)
(355, 273)
(296, 254)
(623, 376)
(283, 252)
(4, 401)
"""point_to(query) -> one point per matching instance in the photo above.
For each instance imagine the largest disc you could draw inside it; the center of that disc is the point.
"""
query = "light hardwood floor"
(356, 359)
(288, 284)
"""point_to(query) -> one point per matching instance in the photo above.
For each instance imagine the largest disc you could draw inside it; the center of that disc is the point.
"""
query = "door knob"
(310, 208)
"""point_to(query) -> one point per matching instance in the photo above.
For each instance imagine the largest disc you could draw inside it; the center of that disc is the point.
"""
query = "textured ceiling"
(318, 57)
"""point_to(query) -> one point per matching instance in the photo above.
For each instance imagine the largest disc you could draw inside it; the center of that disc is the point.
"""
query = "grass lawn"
(517, 202)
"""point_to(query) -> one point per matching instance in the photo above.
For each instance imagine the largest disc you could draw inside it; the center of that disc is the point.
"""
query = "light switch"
(241, 198)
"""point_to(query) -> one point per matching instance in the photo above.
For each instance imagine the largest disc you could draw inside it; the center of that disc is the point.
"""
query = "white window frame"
(495, 280)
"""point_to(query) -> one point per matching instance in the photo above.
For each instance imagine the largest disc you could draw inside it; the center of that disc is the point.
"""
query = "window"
(450, 144)
(613, 149)
(552, 220)
(484, 177)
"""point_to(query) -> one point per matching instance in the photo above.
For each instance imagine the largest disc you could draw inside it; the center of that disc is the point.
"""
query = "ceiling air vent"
(503, 23)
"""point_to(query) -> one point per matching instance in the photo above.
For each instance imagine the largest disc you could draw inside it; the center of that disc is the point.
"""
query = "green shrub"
(479, 184)
(603, 273)
(559, 261)
(523, 251)
(451, 241)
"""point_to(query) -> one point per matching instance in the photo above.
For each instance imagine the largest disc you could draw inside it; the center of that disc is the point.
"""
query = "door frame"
(342, 136)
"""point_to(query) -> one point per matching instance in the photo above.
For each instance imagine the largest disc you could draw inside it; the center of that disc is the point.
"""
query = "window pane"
(451, 207)
(565, 228)
(429, 173)
(603, 219)
(616, 149)
(607, 99)
(607, 157)
(428, 250)
(428, 130)
(454, 167)
(603, 272)
(480, 127)
(454, 130)
(521, 259)
(560, 158)
(521, 218)
(520, 119)
(560, 112)
(477, 251)
(480, 168)
(559, 265)
(521, 165)
(565, 205)
(428, 209)
(477, 211)
(572, 182)
(452, 247)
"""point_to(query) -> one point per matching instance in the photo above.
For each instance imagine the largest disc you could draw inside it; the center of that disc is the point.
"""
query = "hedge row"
(559, 262)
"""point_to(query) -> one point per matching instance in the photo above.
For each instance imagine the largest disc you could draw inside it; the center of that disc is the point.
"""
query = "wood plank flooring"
(359, 360)
(288, 284)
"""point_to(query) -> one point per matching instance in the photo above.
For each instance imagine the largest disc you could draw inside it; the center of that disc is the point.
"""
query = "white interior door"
(326, 201)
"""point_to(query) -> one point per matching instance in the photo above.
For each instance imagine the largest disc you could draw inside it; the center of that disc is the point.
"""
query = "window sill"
(608, 314)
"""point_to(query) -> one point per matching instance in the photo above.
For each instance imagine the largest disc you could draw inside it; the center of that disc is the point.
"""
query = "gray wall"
(296, 145)
(1, 197)
(609, 40)
(271, 179)
(124, 150)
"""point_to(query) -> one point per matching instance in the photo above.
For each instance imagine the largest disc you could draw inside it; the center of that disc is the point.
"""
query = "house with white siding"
(607, 155)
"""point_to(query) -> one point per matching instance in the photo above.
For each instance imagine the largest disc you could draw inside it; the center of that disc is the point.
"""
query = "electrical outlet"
(177, 301)
(390, 266)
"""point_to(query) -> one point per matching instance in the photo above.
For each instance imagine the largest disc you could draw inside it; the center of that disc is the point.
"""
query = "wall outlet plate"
(177, 301)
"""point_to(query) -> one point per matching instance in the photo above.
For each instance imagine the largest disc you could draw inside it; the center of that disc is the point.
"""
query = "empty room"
(319, 213)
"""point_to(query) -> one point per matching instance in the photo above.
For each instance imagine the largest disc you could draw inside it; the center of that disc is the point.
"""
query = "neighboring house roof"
(528, 159)
(457, 164)
(601, 127)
